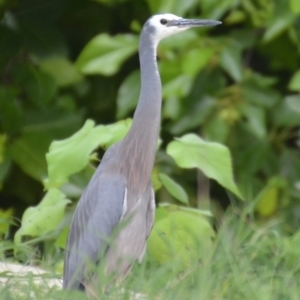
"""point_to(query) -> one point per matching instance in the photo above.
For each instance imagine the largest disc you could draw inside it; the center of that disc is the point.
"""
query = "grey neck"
(138, 148)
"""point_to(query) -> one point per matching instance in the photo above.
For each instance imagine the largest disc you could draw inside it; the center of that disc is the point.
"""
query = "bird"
(120, 191)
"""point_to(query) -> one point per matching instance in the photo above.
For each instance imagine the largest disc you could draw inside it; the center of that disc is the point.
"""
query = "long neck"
(138, 148)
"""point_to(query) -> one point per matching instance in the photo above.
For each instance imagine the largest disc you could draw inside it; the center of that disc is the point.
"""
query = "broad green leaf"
(39, 86)
(294, 103)
(176, 7)
(231, 62)
(294, 84)
(171, 108)
(195, 116)
(28, 152)
(264, 97)
(118, 131)
(104, 54)
(177, 87)
(179, 239)
(71, 155)
(213, 159)
(287, 112)
(77, 182)
(44, 217)
(235, 17)
(195, 60)
(216, 129)
(62, 70)
(178, 41)
(256, 120)
(128, 94)
(29, 149)
(174, 188)
(40, 39)
(295, 6)
(63, 237)
(175, 84)
(11, 115)
(214, 9)
(249, 162)
(278, 27)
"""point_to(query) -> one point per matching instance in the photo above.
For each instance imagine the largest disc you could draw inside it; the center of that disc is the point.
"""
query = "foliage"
(237, 86)
(246, 261)
(213, 159)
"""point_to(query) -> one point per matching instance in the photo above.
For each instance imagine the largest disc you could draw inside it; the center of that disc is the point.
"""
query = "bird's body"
(121, 190)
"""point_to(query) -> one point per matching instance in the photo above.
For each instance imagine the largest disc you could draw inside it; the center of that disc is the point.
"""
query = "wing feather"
(98, 212)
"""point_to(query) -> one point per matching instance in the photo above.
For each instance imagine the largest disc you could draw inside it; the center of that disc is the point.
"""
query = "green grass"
(247, 262)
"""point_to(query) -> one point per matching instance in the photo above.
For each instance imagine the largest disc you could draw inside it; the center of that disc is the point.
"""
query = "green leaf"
(29, 149)
(175, 84)
(71, 155)
(179, 239)
(216, 129)
(118, 131)
(195, 60)
(39, 86)
(62, 238)
(213, 159)
(295, 6)
(287, 113)
(195, 117)
(256, 120)
(105, 54)
(278, 27)
(264, 97)
(28, 152)
(231, 62)
(44, 217)
(178, 41)
(62, 70)
(128, 94)
(235, 17)
(10, 110)
(174, 188)
(176, 7)
(294, 84)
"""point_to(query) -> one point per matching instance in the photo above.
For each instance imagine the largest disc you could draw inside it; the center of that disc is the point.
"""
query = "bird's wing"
(98, 212)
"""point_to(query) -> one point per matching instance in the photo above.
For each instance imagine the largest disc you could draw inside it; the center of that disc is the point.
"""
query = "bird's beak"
(186, 23)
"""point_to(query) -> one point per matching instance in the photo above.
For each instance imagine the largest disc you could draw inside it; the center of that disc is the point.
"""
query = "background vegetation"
(65, 61)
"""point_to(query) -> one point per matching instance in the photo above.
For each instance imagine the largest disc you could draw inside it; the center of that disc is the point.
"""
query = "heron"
(121, 187)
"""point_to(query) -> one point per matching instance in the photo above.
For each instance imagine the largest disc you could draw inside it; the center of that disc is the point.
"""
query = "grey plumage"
(121, 190)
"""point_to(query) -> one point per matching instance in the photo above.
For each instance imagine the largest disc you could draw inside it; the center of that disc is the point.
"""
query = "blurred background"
(238, 84)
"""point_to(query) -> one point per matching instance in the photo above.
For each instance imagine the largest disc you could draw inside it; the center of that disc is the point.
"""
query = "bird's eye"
(163, 21)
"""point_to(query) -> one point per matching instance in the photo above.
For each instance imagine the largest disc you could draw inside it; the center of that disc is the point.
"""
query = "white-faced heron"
(121, 187)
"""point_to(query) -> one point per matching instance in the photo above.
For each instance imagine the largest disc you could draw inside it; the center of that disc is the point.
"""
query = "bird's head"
(163, 25)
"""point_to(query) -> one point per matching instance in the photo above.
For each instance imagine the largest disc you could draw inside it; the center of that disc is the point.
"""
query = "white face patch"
(161, 30)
